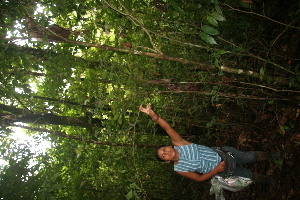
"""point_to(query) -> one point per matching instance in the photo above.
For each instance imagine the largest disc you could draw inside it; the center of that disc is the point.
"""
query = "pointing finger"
(141, 107)
(148, 106)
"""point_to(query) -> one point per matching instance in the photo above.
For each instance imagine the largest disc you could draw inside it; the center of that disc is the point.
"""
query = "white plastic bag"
(232, 183)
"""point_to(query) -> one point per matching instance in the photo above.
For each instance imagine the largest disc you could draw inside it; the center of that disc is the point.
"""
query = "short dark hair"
(156, 153)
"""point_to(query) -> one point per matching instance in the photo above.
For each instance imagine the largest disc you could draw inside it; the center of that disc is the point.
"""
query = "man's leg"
(262, 155)
(241, 157)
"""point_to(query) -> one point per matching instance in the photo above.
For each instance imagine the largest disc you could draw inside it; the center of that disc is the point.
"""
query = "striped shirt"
(196, 158)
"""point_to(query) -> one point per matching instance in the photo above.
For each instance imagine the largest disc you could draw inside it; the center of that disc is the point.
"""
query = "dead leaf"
(218, 105)
(126, 44)
(156, 74)
(297, 112)
(280, 130)
(296, 138)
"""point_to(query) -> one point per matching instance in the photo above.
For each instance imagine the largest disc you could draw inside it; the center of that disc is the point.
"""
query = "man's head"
(166, 154)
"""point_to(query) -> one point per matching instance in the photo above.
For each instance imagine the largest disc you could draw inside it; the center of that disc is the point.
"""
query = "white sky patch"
(73, 74)
(67, 87)
(39, 9)
(37, 145)
(33, 87)
(19, 90)
(17, 33)
(33, 84)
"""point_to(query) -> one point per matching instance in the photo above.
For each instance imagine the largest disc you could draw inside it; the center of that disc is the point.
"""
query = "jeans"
(241, 157)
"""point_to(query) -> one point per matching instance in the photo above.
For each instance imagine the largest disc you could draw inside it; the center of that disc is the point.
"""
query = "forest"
(74, 72)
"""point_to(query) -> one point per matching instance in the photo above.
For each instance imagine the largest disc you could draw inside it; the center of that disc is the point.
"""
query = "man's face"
(166, 153)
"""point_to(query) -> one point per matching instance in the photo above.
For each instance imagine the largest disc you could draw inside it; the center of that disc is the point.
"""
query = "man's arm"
(177, 140)
(203, 177)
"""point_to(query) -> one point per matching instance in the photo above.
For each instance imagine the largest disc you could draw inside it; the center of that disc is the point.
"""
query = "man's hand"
(147, 110)
(220, 167)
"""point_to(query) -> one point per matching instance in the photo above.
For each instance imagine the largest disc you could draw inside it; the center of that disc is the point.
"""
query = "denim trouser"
(241, 158)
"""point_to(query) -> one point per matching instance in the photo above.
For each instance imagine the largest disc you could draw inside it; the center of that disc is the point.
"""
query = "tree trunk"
(72, 137)
(58, 120)
(12, 109)
(13, 114)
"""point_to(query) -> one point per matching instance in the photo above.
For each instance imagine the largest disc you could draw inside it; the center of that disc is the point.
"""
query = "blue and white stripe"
(196, 158)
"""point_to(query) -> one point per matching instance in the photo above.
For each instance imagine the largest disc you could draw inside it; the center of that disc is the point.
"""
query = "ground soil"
(281, 134)
(275, 127)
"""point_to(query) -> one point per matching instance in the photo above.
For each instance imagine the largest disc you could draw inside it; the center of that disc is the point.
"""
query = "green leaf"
(212, 21)
(217, 63)
(120, 121)
(297, 72)
(129, 195)
(104, 74)
(297, 12)
(209, 30)
(261, 73)
(208, 39)
(211, 123)
(220, 52)
(133, 185)
(116, 117)
(218, 9)
(218, 17)
(177, 8)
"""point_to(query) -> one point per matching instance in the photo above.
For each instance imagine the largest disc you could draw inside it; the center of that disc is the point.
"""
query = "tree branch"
(268, 18)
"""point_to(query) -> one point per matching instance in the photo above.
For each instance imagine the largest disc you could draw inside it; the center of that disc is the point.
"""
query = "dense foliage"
(75, 72)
